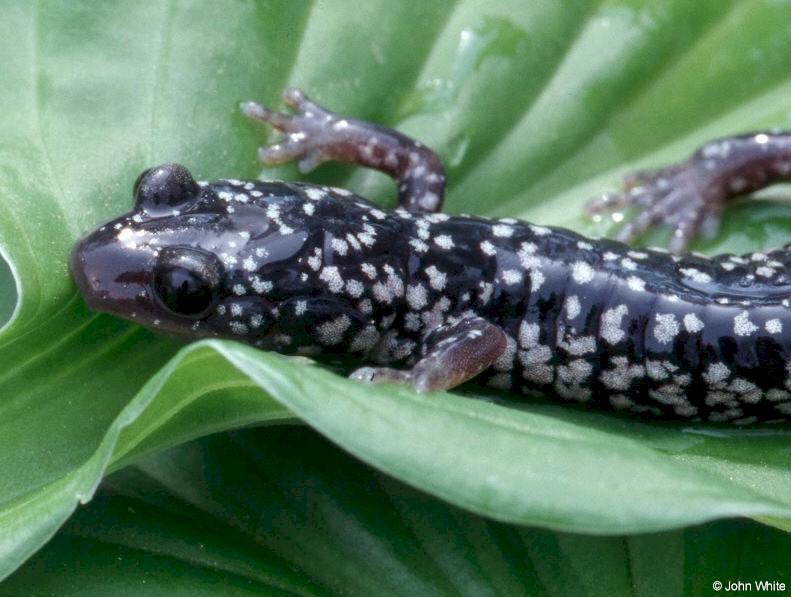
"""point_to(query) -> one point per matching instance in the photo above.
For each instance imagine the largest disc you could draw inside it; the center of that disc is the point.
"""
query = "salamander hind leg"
(690, 196)
(315, 135)
(452, 354)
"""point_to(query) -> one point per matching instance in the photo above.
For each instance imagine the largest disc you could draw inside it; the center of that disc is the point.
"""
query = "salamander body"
(421, 297)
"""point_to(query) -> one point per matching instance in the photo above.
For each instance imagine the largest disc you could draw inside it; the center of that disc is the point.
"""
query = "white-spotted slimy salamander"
(434, 300)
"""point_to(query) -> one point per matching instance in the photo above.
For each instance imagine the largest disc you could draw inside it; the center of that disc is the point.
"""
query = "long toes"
(280, 120)
(295, 98)
(687, 226)
(710, 224)
(287, 151)
(651, 177)
(606, 202)
(302, 104)
(309, 161)
(642, 195)
(698, 218)
(643, 221)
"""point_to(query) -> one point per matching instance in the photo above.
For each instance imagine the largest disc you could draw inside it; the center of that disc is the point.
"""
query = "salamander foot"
(684, 196)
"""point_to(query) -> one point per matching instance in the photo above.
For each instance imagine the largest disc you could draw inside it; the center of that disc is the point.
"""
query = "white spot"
(573, 306)
(742, 326)
(578, 346)
(486, 292)
(502, 230)
(716, 372)
(774, 326)
(443, 241)
(636, 284)
(488, 248)
(341, 192)
(540, 230)
(314, 261)
(236, 310)
(256, 320)
(355, 288)
(611, 324)
(666, 327)
(529, 334)
(428, 200)
(237, 327)
(309, 208)
(696, 275)
(340, 246)
(437, 279)
(227, 259)
(249, 264)
(582, 245)
(621, 376)
(765, 272)
(238, 289)
(692, 323)
(416, 296)
(261, 286)
(369, 270)
(512, 276)
(331, 332)
(418, 245)
(332, 277)
(628, 264)
(366, 238)
(314, 193)
(582, 272)
(365, 340)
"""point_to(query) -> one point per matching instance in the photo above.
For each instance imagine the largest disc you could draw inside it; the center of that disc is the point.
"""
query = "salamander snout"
(111, 278)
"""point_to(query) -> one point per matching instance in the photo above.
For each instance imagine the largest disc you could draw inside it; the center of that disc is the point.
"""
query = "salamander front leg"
(315, 135)
(691, 195)
(453, 354)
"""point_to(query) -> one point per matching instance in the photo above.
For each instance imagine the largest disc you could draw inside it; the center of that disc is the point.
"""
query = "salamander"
(412, 295)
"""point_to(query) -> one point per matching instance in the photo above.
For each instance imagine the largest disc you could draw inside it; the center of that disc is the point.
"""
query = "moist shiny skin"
(312, 270)
(319, 271)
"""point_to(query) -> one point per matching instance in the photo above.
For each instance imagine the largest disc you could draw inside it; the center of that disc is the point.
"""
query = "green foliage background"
(534, 107)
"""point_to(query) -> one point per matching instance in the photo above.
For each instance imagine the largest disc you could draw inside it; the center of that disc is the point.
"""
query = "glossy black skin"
(304, 269)
(119, 279)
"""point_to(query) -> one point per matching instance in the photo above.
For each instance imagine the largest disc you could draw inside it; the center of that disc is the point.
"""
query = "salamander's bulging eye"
(167, 186)
(187, 280)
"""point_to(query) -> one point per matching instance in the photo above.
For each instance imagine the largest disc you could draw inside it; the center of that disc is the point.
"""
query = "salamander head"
(196, 259)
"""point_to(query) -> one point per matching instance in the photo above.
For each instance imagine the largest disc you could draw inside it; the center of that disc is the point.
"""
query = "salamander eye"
(166, 186)
(187, 280)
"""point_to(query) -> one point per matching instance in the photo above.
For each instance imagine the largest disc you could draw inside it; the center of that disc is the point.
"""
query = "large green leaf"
(279, 511)
(533, 106)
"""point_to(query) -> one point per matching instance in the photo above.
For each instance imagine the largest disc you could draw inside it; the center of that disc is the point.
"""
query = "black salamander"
(421, 297)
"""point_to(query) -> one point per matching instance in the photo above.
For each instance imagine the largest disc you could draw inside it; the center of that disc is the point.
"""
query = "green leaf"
(281, 511)
(534, 107)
